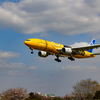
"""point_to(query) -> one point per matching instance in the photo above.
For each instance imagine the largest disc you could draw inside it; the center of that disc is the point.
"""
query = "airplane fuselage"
(54, 48)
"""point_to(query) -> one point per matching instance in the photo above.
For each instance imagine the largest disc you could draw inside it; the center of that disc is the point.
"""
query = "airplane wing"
(86, 47)
(95, 54)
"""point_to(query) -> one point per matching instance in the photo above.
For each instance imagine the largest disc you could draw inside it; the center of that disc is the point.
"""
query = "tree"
(35, 96)
(89, 96)
(67, 97)
(85, 87)
(14, 94)
(57, 98)
(97, 95)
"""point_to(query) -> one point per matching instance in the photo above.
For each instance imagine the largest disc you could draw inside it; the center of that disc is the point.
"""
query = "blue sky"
(71, 22)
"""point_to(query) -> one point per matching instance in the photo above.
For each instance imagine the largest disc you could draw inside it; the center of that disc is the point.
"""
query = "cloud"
(12, 72)
(67, 17)
(10, 67)
(31, 68)
(8, 54)
(81, 44)
(6, 64)
(81, 68)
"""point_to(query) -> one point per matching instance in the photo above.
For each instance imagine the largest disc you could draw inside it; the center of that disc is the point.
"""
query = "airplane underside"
(58, 60)
(70, 57)
(59, 50)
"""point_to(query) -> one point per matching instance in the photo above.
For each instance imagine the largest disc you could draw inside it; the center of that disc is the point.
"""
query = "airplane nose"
(25, 42)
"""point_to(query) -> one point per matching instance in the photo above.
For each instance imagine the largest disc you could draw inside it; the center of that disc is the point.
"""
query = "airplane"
(47, 48)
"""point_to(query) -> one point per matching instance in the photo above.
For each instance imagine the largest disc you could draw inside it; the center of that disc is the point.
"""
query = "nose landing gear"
(31, 50)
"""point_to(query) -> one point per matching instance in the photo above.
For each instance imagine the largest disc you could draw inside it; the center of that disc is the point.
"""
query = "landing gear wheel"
(58, 60)
(71, 58)
(32, 52)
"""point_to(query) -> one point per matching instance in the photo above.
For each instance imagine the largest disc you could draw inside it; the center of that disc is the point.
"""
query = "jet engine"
(66, 50)
(42, 54)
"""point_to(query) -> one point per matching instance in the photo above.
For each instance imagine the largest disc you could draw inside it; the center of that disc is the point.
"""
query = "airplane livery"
(47, 48)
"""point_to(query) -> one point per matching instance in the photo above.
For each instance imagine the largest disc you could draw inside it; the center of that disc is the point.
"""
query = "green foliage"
(89, 96)
(97, 95)
(35, 96)
(57, 98)
(67, 98)
(32, 99)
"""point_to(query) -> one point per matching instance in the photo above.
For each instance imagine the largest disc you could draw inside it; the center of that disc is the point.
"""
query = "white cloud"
(31, 68)
(8, 54)
(81, 68)
(16, 65)
(11, 72)
(68, 17)
(71, 68)
(81, 44)
(5, 64)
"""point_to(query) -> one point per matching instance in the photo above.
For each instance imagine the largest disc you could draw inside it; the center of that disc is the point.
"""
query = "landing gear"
(57, 59)
(71, 58)
(31, 50)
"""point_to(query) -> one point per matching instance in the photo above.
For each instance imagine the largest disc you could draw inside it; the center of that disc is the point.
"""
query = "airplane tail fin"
(91, 43)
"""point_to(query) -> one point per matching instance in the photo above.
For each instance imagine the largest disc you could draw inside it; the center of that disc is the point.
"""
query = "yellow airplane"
(59, 50)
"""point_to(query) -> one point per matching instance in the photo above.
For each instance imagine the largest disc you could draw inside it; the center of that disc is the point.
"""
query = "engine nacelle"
(42, 54)
(66, 50)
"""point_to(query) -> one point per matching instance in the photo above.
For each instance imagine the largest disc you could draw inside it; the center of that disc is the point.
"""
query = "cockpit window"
(28, 40)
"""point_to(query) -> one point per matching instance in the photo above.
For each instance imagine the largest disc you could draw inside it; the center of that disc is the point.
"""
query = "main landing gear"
(57, 59)
(71, 58)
